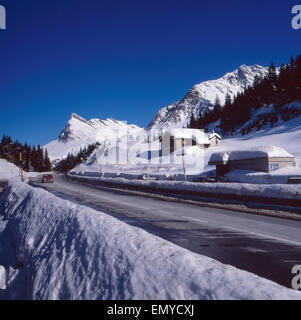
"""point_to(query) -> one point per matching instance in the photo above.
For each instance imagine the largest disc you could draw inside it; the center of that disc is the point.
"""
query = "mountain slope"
(78, 133)
(203, 95)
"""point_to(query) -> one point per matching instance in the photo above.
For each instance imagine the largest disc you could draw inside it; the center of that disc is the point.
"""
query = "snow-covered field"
(287, 135)
(66, 251)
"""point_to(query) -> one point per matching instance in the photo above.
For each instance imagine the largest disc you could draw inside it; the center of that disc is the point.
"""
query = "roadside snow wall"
(273, 193)
(65, 251)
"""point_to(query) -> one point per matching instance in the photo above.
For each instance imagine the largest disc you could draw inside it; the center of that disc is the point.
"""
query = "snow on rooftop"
(252, 153)
(219, 157)
(214, 134)
(199, 135)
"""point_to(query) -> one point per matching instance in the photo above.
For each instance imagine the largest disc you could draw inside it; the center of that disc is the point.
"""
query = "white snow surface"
(7, 170)
(286, 135)
(200, 136)
(202, 96)
(73, 252)
(275, 177)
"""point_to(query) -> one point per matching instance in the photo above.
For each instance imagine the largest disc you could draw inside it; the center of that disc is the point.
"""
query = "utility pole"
(21, 167)
(184, 168)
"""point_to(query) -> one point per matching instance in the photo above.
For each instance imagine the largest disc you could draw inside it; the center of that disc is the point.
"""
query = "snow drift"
(65, 251)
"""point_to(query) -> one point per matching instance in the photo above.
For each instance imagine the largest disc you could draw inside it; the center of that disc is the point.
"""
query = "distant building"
(263, 159)
(215, 139)
(175, 139)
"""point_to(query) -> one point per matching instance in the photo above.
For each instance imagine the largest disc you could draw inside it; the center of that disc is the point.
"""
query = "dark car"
(212, 179)
(215, 179)
(48, 178)
(199, 179)
(223, 179)
(294, 180)
(147, 177)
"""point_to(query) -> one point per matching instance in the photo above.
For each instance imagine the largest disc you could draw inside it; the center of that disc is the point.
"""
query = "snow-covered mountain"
(78, 133)
(203, 95)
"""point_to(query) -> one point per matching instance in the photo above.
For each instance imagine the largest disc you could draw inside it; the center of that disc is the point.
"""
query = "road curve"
(266, 246)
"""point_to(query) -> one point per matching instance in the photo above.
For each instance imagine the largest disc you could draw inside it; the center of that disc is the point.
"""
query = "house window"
(193, 141)
(172, 144)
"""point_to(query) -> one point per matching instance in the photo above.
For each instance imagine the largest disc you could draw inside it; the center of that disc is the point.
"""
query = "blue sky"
(126, 59)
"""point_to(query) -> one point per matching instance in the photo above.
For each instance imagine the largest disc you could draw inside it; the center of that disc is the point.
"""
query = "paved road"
(263, 245)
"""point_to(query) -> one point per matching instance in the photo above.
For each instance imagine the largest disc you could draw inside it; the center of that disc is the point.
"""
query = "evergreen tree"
(193, 123)
(47, 163)
(71, 160)
(271, 92)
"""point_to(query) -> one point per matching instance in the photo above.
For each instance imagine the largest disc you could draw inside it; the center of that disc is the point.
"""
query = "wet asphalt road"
(266, 246)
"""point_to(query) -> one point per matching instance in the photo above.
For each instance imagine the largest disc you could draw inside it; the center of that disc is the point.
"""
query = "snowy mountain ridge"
(79, 128)
(203, 95)
(79, 132)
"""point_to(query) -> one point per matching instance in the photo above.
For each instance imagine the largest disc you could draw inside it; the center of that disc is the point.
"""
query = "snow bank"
(65, 251)
(272, 191)
(9, 170)
(280, 176)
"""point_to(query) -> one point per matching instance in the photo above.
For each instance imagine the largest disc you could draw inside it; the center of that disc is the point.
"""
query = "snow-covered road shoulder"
(66, 251)
(290, 193)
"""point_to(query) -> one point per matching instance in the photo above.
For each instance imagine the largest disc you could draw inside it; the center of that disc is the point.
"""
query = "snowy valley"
(67, 243)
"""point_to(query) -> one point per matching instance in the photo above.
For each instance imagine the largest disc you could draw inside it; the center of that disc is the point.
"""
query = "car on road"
(199, 179)
(147, 177)
(294, 180)
(215, 179)
(223, 179)
(48, 178)
(212, 179)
